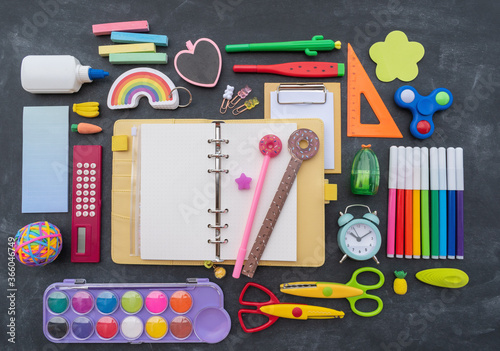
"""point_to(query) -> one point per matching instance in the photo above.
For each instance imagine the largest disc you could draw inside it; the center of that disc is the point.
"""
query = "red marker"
(308, 69)
(400, 202)
(409, 203)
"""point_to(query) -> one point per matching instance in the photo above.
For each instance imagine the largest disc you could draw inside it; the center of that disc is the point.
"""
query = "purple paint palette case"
(77, 312)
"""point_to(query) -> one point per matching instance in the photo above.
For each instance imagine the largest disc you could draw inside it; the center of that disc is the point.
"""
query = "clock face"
(361, 240)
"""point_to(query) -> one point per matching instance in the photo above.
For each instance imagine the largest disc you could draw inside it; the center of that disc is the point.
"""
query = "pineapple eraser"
(400, 285)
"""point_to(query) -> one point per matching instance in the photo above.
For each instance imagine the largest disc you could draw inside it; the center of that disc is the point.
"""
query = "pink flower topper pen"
(270, 146)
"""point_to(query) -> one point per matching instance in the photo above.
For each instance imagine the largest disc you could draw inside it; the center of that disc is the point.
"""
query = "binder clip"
(248, 105)
(228, 94)
(243, 93)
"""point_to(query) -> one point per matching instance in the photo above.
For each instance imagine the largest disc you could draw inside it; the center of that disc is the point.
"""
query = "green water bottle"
(365, 174)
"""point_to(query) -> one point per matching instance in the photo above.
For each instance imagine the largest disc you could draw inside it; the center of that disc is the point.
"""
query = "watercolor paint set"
(191, 312)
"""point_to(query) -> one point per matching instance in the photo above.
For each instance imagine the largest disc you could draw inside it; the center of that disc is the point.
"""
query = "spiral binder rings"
(218, 155)
(186, 207)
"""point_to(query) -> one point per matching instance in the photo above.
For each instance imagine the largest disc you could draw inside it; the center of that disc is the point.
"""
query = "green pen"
(424, 201)
(310, 47)
(434, 175)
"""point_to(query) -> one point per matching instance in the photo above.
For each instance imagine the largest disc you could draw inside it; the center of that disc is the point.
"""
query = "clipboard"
(313, 192)
(332, 137)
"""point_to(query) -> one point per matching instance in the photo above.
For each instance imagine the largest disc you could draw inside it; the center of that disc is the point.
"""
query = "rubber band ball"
(37, 244)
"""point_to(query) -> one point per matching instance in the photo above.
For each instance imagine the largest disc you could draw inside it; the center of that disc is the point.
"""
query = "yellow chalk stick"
(105, 50)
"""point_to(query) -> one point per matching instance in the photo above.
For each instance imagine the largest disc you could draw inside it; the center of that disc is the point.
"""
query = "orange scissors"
(274, 309)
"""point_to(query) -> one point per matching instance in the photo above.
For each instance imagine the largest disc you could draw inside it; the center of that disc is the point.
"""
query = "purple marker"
(459, 168)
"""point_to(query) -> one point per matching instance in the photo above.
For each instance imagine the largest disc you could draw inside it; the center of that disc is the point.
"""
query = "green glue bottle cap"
(365, 174)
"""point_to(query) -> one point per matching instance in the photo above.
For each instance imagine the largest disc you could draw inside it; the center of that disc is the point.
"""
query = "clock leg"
(343, 258)
(375, 258)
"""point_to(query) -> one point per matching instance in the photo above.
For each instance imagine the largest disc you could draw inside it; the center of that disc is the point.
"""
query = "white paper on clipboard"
(308, 104)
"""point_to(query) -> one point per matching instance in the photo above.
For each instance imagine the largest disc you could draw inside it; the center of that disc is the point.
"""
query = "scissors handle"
(354, 283)
(272, 298)
(353, 300)
(271, 321)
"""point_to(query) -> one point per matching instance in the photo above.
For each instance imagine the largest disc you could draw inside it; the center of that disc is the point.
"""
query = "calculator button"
(86, 186)
(86, 172)
(85, 214)
(78, 213)
(78, 179)
(85, 179)
(85, 199)
(85, 207)
(78, 207)
(85, 165)
(79, 193)
(92, 186)
(78, 199)
(92, 192)
(79, 165)
(78, 186)
(92, 207)
(79, 172)
(92, 200)
(85, 193)
(93, 165)
(92, 214)
(92, 179)
(93, 172)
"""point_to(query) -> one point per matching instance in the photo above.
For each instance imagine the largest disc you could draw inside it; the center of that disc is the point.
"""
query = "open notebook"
(176, 191)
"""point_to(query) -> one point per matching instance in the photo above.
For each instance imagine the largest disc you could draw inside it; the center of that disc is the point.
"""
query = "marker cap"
(424, 168)
(459, 165)
(393, 167)
(416, 168)
(451, 169)
(401, 167)
(408, 168)
(433, 157)
(442, 168)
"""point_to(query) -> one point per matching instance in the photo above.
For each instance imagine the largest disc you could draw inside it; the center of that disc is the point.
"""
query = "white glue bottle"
(56, 74)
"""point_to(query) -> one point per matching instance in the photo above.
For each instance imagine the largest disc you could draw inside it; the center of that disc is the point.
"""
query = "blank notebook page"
(177, 191)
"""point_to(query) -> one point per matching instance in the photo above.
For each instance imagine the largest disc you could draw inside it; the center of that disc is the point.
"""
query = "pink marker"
(270, 146)
(391, 210)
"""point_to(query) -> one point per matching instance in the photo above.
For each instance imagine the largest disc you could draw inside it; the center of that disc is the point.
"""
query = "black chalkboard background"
(461, 54)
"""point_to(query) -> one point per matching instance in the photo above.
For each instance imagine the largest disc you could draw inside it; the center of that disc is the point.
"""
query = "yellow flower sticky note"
(396, 57)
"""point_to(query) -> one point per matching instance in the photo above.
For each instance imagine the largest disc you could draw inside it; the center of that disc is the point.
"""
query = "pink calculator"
(86, 205)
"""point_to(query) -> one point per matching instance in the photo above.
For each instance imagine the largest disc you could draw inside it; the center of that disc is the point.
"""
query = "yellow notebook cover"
(330, 87)
(310, 200)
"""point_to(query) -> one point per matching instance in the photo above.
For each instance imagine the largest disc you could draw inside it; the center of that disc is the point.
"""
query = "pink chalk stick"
(131, 26)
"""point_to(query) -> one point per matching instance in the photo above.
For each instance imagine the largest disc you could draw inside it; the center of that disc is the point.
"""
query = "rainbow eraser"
(131, 26)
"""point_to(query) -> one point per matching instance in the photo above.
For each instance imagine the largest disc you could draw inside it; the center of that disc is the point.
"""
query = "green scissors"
(352, 290)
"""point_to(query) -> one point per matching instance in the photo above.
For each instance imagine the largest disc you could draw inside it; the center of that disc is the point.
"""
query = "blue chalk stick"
(132, 38)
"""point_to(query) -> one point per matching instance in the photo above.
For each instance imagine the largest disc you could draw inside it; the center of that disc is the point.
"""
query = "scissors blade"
(299, 311)
(321, 290)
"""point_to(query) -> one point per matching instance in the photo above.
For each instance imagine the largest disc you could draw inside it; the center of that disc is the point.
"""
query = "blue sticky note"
(45, 159)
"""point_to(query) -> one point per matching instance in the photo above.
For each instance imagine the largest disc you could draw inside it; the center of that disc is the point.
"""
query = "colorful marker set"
(425, 211)
(77, 312)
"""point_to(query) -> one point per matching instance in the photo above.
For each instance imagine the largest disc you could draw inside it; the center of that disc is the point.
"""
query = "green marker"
(424, 201)
(310, 47)
(434, 175)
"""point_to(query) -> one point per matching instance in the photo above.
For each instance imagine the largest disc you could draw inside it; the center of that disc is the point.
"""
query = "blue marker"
(452, 187)
(443, 233)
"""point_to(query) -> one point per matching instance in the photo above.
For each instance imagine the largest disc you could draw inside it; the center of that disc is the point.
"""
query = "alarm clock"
(359, 238)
